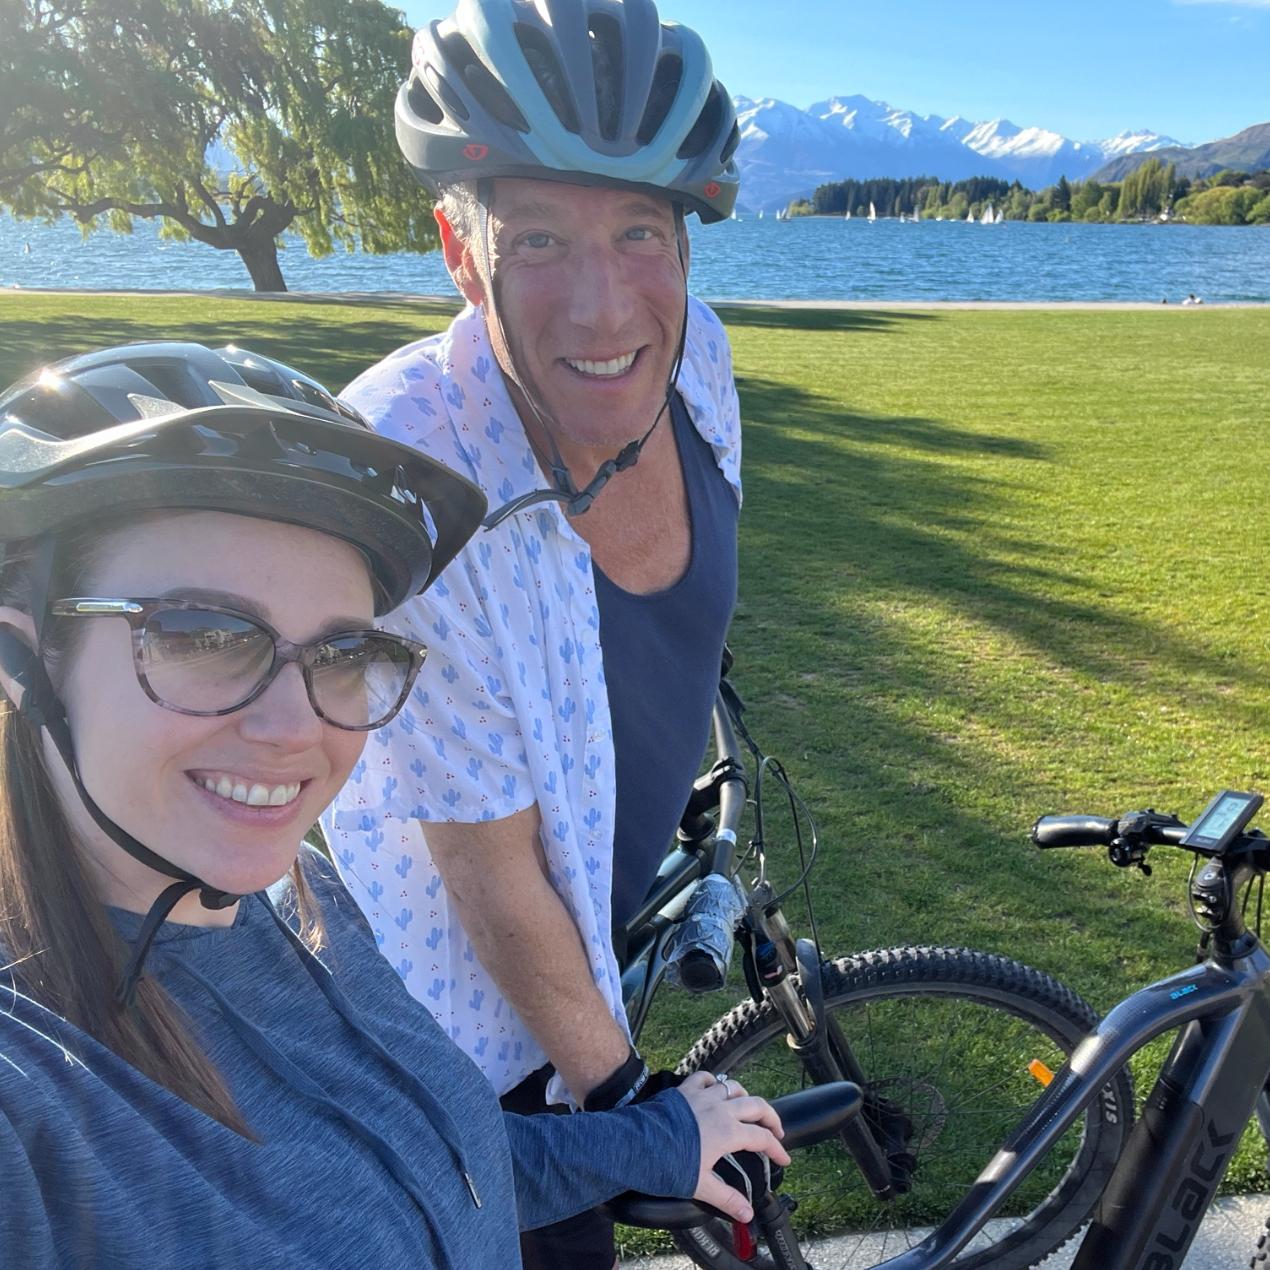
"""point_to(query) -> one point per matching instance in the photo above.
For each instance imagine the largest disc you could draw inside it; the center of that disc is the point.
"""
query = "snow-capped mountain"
(1139, 142)
(786, 152)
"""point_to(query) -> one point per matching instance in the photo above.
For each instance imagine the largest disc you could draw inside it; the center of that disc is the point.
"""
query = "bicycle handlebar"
(1073, 831)
(733, 791)
(1148, 828)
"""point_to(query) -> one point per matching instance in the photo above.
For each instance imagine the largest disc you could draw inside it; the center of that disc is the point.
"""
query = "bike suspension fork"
(826, 1057)
(772, 1216)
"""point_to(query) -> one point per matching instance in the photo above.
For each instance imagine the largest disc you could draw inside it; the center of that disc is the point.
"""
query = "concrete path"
(1225, 1241)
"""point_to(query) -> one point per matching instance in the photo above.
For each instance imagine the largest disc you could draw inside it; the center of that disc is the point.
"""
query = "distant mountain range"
(1247, 151)
(786, 152)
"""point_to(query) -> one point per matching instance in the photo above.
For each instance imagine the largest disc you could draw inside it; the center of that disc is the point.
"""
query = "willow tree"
(229, 121)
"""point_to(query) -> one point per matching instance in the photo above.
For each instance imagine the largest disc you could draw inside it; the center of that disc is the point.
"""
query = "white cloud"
(1242, 4)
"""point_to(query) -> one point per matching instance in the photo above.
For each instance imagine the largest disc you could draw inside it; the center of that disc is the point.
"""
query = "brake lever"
(1128, 853)
(1130, 846)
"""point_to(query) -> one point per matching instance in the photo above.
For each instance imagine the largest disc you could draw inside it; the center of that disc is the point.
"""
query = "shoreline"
(432, 301)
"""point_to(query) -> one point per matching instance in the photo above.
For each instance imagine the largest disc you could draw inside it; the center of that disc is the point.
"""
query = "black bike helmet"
(179, 426)
(593, 92)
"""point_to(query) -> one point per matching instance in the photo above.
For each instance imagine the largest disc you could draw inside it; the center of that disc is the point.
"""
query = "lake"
(751, 259)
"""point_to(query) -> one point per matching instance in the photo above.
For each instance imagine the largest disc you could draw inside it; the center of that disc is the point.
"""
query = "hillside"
(1247, 151)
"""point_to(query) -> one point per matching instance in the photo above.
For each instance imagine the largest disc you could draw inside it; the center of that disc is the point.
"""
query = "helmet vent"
(493, 96)
(729, 146)
(447, 94)
(423, 103)
(314, 394)
(707, 125)
(661, 96)
(173, 382)
(477, 78)
(544, 63)
(262, 378)
(607, 66)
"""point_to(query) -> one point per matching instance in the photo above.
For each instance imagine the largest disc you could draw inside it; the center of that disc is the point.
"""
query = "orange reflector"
(1039, 1072)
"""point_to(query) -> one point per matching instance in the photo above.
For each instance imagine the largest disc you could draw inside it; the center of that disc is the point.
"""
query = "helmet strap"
(575, 501)
(42, 710)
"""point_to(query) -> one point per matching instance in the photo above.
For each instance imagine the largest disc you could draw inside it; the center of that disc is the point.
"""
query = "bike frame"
(641, 943)
(825, 1052)
(1190, 1127)
(644, 960)
(1207, 1091)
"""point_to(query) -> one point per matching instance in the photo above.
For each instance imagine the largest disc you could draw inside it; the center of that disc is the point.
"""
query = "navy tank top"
(661, 663)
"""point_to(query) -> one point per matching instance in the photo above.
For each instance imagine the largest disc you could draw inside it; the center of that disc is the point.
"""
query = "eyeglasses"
(202, 659)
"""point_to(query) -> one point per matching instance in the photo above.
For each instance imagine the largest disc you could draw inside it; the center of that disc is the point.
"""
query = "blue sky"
(1192, 69)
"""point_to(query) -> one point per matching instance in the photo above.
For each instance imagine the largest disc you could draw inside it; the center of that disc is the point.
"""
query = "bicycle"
(1212, 1083)
(945, 1047)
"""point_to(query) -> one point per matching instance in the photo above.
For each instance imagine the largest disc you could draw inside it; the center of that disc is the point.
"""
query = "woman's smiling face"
(191, 788)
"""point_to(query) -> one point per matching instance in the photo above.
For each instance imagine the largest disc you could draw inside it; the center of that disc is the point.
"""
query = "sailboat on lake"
(873, 213)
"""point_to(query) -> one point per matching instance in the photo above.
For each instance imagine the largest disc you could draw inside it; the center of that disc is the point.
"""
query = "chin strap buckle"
(628, 457)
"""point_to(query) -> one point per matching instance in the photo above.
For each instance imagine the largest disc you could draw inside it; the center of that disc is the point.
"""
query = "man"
(522, 801)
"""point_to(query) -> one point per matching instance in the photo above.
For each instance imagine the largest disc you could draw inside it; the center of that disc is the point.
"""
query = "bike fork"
(773, 1219)
(877, 1140)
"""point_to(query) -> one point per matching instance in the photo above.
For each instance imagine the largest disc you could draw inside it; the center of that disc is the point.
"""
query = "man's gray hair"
(459, 203)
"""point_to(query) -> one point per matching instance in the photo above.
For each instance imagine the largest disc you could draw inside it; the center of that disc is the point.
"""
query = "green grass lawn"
(994, 564)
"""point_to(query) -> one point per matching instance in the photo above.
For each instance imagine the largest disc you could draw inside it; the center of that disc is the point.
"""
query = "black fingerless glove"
(631, 1083)
(750, 1173)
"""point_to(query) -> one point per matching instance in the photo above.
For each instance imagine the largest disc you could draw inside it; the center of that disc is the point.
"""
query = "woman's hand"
(728, 1119)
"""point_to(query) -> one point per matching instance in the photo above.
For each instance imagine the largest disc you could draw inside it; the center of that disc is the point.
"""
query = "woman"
(204, 1059)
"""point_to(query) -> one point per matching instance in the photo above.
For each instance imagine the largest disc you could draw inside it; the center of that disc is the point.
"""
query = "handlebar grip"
(1073, 831)
(699, 971)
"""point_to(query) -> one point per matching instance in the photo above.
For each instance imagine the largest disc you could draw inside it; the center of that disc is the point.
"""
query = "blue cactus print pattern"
(510, 707)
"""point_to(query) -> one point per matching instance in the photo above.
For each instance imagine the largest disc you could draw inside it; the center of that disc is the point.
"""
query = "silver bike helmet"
(592, 92)
(180, 426)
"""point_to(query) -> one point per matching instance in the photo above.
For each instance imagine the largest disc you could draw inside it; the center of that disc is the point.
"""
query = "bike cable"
(1258, 881)
(758, 844)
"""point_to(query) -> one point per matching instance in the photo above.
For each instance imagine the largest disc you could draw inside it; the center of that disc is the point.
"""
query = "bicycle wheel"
(953, 1037)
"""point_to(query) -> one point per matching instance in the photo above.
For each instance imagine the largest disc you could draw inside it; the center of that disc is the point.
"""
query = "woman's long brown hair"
(55, 935)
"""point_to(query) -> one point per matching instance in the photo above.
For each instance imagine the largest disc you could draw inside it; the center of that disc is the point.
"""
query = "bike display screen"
(1222, 821)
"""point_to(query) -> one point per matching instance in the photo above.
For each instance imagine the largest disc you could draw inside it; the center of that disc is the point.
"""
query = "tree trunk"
(261, 258)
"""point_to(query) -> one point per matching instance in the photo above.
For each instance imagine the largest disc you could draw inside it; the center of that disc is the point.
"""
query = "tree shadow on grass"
(878, 321)
(846, 499)
(852, 522)
(333, 351)
(442, 308)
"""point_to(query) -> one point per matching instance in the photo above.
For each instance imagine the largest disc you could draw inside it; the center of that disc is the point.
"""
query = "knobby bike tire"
(1261, 1254)
(949, 1034)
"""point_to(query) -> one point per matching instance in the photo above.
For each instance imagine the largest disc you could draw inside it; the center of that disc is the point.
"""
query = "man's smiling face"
(589, 289)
